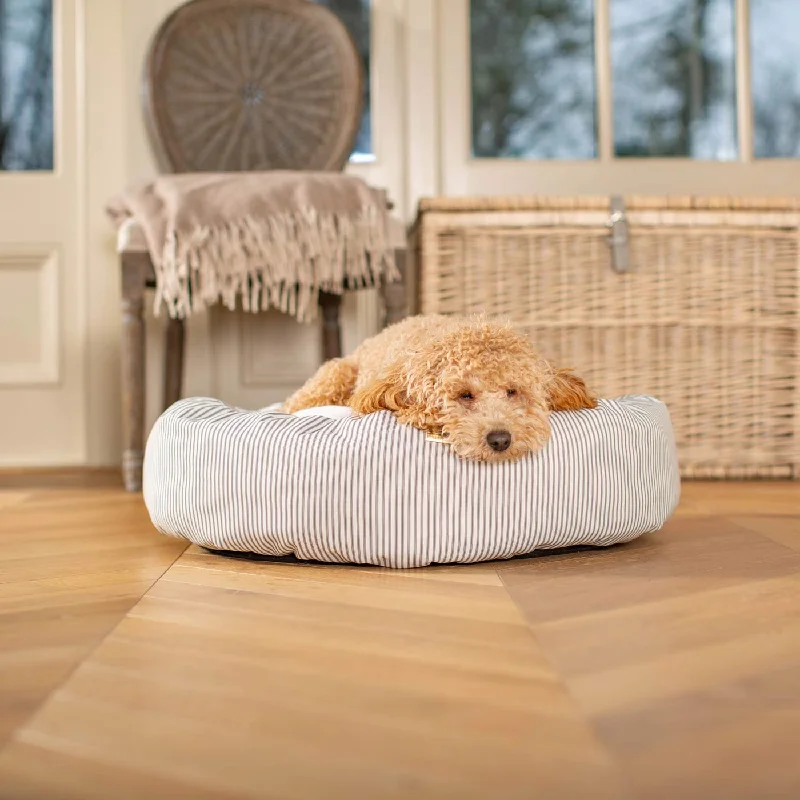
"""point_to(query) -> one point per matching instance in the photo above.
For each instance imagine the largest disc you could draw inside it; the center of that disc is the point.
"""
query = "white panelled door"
(42, 308)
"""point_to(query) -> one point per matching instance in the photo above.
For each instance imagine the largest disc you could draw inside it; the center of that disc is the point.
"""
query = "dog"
(477, 383)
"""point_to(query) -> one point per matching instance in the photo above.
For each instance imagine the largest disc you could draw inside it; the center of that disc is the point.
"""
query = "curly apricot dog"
(477, 383)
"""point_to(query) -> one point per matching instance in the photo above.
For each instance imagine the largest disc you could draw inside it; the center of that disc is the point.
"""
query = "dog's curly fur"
(454, 377)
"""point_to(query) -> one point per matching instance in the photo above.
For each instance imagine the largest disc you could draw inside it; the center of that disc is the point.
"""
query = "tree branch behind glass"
(26, 85)
(532, 65)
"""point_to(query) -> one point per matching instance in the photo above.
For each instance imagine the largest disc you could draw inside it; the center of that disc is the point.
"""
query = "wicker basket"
(702, 310)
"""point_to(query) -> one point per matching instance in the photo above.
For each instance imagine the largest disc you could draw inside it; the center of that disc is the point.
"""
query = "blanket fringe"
(283, 262)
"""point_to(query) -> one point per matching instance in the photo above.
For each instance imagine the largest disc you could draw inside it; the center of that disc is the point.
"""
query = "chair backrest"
(233, 85)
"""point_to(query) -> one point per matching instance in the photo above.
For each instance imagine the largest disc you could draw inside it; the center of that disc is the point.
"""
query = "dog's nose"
(498, 440)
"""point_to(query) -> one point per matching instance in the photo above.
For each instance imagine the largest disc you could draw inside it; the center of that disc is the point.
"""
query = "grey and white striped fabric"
(371, 491)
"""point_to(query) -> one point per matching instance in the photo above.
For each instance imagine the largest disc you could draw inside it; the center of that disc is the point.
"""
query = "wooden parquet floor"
(134, 668)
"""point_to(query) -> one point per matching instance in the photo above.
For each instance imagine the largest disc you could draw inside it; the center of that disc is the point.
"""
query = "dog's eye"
(511, 392)
(466, 396)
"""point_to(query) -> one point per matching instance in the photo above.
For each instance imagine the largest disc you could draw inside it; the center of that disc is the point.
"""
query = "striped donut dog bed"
(327, 486)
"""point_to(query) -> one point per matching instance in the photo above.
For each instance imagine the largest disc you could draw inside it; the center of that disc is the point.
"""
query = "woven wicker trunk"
(697, 303)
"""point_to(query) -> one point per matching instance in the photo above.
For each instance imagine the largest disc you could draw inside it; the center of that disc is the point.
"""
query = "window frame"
(463, 173)
(385, 166)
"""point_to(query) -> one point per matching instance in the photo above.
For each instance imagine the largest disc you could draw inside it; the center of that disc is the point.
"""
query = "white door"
(619, 96)
(41, 304)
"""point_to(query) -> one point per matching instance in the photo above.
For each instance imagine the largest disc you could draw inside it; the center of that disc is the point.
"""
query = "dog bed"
(327, 486)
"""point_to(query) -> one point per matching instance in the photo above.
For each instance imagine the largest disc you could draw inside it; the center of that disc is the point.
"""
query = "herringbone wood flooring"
(131, 667)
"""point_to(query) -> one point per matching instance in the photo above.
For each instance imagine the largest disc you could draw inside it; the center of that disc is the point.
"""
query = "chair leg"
(174, 347)
(395, 302)
(331, 327)
(134, 266)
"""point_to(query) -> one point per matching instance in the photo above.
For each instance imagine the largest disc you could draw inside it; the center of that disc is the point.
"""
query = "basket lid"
(603, 203)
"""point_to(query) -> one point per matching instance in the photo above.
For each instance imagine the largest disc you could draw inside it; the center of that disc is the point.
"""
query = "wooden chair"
(238, 85)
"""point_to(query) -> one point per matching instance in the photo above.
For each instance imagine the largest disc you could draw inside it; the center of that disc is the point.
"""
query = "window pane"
(775, 70)
(674, 78)
(356, 16)
(533, 83)
(26, 84)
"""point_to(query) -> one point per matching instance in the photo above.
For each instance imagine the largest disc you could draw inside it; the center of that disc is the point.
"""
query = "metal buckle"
(618, 238)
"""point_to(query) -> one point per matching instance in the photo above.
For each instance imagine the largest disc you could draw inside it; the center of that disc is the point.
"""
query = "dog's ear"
(383, 396)
(388, 394)
(568, 392)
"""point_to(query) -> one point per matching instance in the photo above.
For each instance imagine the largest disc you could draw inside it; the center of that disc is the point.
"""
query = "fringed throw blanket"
(274, 238)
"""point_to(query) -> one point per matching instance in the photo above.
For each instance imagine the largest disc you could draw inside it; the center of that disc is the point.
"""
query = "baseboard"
(60, 478)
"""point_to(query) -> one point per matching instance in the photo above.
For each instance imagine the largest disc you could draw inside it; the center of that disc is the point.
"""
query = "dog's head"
(482, 386)
(489, 392)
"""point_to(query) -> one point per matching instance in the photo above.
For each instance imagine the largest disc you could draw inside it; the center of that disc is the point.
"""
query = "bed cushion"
(328, 486)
